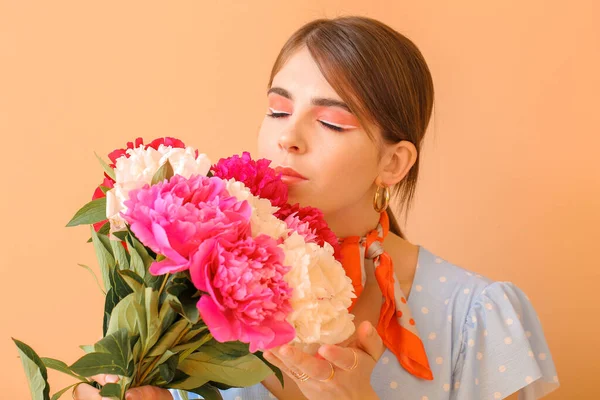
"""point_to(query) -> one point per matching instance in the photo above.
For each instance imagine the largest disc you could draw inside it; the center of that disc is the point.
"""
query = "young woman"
(349, 101)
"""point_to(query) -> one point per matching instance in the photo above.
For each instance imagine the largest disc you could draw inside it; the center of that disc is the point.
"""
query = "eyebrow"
(317, 101)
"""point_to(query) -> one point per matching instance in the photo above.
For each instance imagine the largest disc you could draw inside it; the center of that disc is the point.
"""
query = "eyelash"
(326, 125)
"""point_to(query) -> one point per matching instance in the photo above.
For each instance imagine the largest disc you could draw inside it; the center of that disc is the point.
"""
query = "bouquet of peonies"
(204, 267)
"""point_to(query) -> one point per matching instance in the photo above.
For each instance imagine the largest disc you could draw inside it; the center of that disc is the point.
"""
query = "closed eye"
(332, 126)
(275, 114)
(327, 125)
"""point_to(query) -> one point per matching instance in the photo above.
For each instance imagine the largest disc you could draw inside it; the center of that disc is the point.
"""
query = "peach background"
(510, 184)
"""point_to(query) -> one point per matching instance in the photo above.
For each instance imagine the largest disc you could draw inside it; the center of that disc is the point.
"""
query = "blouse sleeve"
(503, 349)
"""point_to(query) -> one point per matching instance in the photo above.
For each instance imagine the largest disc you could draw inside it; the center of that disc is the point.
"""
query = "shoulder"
(496, 336)
(446, 284)
(462, 293)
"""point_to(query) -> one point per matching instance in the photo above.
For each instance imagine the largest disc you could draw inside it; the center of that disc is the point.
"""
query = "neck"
(355, 220)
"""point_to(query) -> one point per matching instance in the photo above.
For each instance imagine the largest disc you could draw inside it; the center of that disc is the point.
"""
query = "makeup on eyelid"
(339, 118)
(343, 119)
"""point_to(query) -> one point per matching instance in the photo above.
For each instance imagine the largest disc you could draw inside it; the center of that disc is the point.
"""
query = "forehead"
(301, 76)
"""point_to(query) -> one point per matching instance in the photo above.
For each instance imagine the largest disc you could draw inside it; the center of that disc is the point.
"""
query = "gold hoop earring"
(386, 199)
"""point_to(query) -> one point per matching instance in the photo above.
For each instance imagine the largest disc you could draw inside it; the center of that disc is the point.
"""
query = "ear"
(397, 161)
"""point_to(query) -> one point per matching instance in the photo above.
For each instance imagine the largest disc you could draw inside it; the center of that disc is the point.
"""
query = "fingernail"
(112, 378)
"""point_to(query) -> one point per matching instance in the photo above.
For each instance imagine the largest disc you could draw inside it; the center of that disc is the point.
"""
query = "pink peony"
(174, 217)
(262, 180)
(248, 299)
(309, 223)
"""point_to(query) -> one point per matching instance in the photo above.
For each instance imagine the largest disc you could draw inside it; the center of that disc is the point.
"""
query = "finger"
(148, 393)
(342, 357)
(273, 359)
(369, 340)
(300, 361)
(103, 379)
(86, 392)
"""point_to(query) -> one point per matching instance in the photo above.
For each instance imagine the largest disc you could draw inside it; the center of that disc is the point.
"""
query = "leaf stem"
(163, 285)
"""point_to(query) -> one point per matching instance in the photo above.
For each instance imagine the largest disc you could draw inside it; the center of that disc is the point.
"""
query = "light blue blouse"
(483, 340)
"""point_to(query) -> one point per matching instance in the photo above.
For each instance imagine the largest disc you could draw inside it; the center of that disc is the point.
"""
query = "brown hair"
(380, 74)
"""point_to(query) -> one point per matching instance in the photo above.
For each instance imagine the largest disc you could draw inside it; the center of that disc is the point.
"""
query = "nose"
(292, 139)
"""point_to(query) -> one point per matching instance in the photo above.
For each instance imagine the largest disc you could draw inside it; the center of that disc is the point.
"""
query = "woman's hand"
(340, 372)
(88, 392)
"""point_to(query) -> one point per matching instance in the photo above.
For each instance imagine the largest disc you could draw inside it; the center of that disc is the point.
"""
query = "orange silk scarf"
(396, 326)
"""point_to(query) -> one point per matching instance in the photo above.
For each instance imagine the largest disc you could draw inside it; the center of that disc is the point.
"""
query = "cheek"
(265, 142)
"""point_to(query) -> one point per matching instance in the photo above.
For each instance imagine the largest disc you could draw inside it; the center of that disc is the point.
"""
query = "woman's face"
(308, 129)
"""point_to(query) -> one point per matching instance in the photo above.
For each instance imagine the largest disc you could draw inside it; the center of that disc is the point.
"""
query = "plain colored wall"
(510, 183)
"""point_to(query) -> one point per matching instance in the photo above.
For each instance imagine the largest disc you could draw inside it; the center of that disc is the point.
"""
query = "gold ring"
(355, 360)
(303, 377)
(330, 376)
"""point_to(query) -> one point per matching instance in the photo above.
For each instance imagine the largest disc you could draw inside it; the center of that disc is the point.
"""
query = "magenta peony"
(262, 180)
(248, 299)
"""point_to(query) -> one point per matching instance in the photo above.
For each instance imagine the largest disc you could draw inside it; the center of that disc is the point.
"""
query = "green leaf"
(105, 259)
(92, 212)
(104, 189)
(130, 314)
(87, 348)
(111, 390)
(168, 368)
(232, 350)
(120, 254)
(61, 366)
(164, 172)
(104, 230)
(106, 242)
(120, 286)
(189, 383)
(118, 345)
(208, 392)
(135, 282)
(193, 334)
(136, 263)
(152, 318)
(110, 303)
(166, 316)
(109, 171)
(122, 235)
(95, 277)
(188, 348)
(99, 363)
(183, 297)
(35, 370)
(168, 339)
(57, 395)
(144, 252)
(273, 368)
(210, 363)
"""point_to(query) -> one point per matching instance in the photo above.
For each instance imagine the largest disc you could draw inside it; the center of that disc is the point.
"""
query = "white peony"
(262, 220)
(321, 293)
(137, 170)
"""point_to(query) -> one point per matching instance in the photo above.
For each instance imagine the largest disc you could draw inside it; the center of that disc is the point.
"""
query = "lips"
(286, 171)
